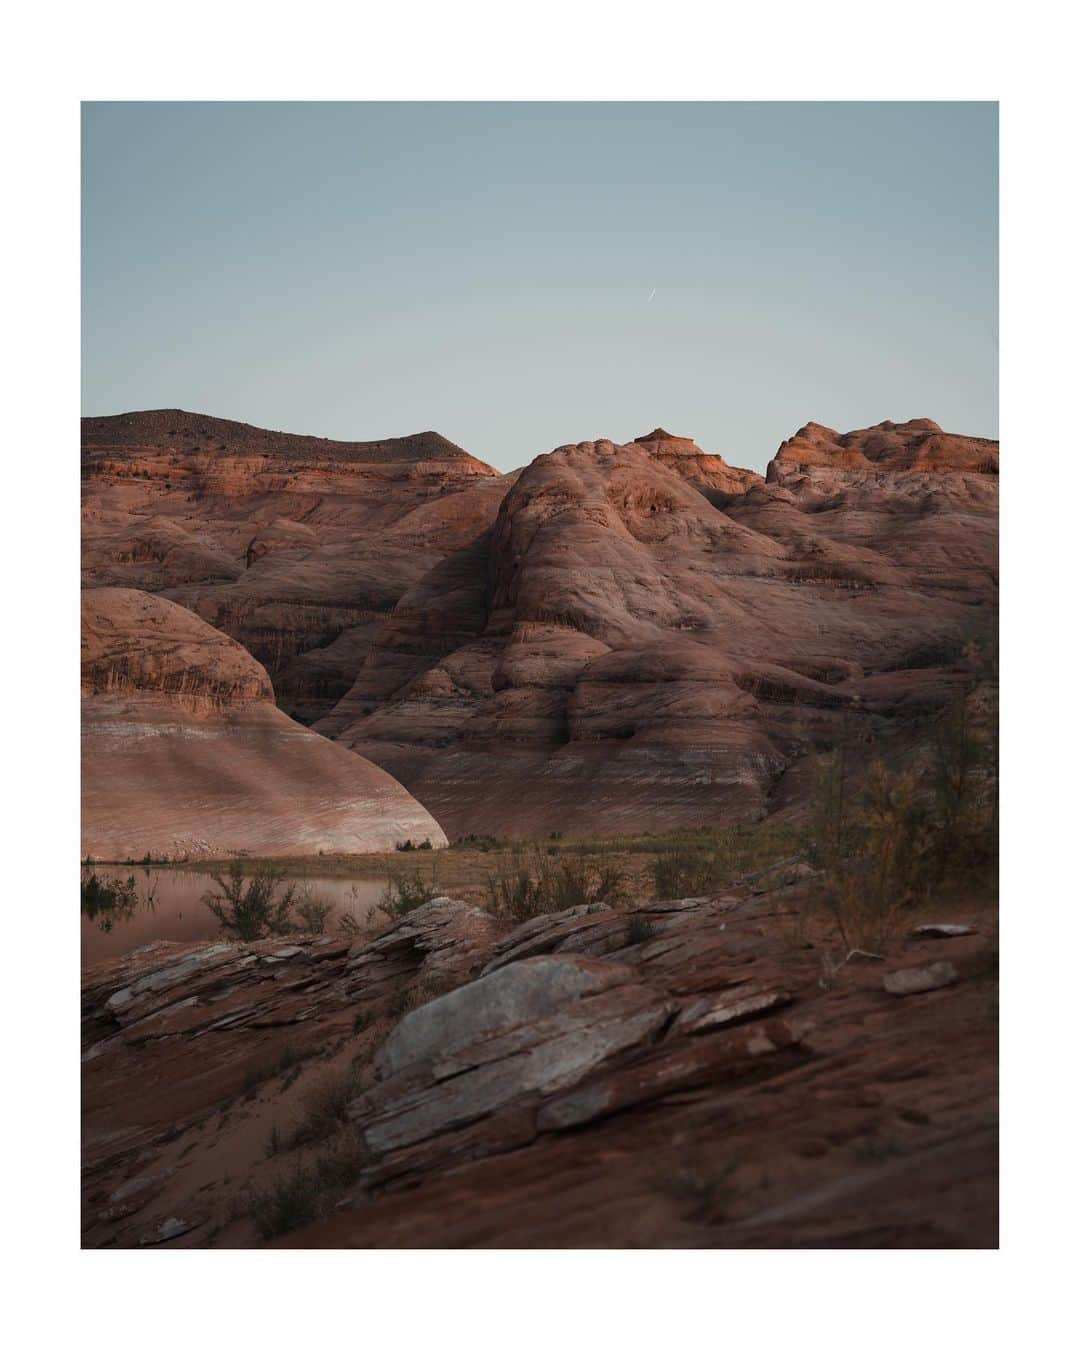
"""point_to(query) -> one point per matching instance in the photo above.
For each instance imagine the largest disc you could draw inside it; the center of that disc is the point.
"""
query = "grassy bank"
(466, 869)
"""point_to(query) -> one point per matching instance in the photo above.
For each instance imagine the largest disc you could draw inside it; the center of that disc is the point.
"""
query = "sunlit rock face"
(648, 638)
(298, 547)
(918, 446)
(186, 755)
(617, 637)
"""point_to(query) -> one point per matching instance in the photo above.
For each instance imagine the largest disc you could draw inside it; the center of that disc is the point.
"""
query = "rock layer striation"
(616, 638)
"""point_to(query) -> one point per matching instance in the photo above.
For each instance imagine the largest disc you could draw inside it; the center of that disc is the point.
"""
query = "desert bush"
(249, 908)
(350, 914)
(681, 871)
(886, 846)
(698, 863)
(312, 914)
(290, 1202)
(343, 1161)
(965, 782)
(106, 900)
(639, 928)
(406, 891)
(513, 890)
(872, 850)
(304, 1193)
(483, 843)
(324, 1103)
(533, 882)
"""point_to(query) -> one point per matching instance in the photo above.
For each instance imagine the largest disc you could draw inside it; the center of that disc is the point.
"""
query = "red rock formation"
(184, 752)
(297, 546)
(918, 446)
(690, 462)
(649, 639)
(619, 637)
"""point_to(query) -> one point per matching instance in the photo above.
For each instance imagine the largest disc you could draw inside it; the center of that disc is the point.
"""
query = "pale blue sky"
(484, 270)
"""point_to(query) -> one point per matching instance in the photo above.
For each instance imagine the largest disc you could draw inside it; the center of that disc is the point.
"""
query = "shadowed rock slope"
(296, 546)
(185, 754)
(650, 639)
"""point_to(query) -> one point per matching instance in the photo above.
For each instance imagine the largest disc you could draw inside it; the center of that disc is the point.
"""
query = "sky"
(518, 276)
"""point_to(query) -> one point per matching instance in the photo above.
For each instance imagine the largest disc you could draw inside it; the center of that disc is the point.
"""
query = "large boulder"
(502, 1044)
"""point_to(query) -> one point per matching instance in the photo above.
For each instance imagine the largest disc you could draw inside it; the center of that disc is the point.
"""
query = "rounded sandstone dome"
(136, 642)
(185, 753)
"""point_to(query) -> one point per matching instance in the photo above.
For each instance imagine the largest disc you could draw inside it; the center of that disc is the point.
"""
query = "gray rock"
(787, 872)
(524, 992)
(484, 1056)
(943, 930)
(168, 1229)
(729, 1008)
(920, 979)
(530, 1062)
(546, 933)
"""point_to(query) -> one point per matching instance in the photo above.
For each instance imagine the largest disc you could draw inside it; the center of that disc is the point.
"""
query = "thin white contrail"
(651, 294)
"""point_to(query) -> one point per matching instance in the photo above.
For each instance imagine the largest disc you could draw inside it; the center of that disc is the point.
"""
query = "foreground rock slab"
(920, 979)
(697, 1087)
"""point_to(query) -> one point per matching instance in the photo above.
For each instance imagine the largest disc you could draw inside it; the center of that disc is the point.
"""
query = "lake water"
(168, 905)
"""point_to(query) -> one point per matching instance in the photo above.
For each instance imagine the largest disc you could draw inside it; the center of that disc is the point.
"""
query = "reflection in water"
(106, 900)
(127, 908)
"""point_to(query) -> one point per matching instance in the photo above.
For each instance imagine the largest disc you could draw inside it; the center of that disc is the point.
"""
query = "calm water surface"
(169, 906)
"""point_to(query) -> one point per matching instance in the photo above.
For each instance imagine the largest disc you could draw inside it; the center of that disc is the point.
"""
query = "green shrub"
(884, 848)
(249, 908)
(312, 914)
(639, 928)
(323, 1106)
(107, 900)
(872, 851)
(343, 1161)
(965, 779)
(700, 863)
(483, 843)
(406, 891)
(533, 882)
(681, 871)
(290, 1202)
